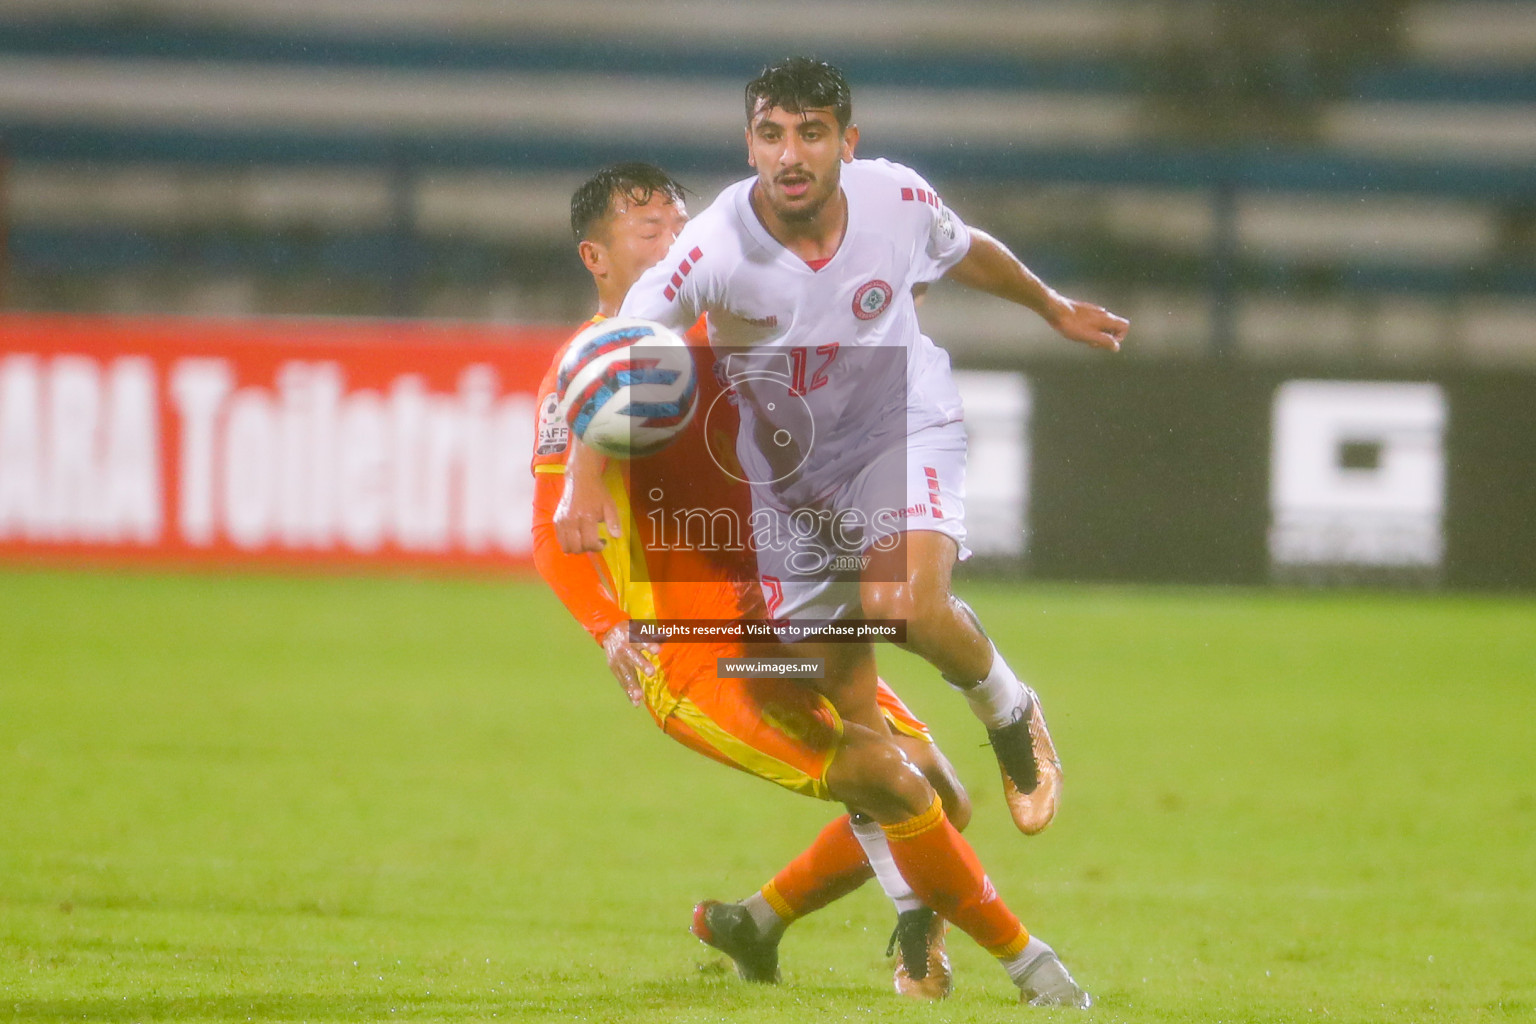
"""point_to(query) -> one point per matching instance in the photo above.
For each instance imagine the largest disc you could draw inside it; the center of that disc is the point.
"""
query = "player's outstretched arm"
(585, 504)
(989, 266)
(580, 585)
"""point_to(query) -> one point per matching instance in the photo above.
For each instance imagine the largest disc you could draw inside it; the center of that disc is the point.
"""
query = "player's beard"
(807, 211)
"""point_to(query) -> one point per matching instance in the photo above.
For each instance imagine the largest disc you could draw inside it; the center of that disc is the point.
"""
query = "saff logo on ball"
(871, 299)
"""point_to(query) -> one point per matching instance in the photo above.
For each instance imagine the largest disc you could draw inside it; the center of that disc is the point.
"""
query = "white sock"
(1000, 698)
(769, 924)
(878, 851)
(1018, 965)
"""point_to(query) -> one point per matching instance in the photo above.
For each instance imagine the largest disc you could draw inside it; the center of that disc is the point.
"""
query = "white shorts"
(810, 560)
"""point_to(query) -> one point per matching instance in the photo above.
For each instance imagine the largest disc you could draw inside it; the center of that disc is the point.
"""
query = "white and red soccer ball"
(628, 386)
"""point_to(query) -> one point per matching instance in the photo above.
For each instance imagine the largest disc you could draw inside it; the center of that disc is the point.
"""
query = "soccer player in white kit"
(852, 433)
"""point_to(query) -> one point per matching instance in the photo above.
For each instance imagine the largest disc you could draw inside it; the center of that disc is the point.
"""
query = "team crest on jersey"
(871, 299)
(554, 433)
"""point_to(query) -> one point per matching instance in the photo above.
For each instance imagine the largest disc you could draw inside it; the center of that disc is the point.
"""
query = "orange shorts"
(777, 729)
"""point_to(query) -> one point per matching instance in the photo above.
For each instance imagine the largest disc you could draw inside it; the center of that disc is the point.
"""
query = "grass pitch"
(342, 799)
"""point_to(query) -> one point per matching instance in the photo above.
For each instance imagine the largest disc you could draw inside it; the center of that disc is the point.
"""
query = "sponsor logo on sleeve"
(946, 226)
(554, 433)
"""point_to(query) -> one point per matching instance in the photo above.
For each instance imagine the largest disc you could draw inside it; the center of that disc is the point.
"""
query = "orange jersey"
(776, 729)
(646, 573)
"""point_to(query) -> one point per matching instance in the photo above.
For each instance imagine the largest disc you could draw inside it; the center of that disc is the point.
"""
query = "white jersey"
(834, 336)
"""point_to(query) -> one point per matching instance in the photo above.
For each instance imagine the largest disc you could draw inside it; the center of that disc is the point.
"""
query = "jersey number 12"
(798, 358)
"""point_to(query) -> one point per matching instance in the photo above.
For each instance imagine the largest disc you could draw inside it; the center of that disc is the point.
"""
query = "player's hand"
(628, 662)
(1091, 325)
(585, 504)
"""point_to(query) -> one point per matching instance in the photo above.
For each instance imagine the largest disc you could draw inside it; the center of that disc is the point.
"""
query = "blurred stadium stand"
(1344, 183)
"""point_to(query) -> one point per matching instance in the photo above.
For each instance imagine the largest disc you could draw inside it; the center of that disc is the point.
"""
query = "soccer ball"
(628, 386)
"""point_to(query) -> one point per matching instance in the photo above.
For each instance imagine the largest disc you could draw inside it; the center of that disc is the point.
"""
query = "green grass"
(342, 799)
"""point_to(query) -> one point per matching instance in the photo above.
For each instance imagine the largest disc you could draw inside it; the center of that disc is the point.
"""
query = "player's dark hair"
(798, 84)
(634, 180)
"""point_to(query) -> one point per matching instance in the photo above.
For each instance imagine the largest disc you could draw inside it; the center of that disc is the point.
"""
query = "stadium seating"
(1351, 183)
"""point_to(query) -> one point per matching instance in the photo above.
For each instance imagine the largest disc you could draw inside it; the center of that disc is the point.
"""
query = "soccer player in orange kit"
(625, 218)
(812, 263)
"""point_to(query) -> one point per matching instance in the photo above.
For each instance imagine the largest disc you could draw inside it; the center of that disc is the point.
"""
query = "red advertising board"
(274, 441)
